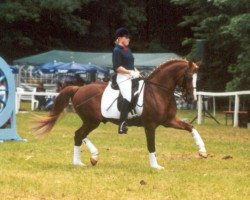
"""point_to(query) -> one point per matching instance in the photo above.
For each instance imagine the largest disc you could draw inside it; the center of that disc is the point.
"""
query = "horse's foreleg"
(199, 142)
(178, 124)
(150, 135)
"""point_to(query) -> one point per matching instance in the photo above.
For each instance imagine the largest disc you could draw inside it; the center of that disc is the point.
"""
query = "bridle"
(188, 76)
(181, 81)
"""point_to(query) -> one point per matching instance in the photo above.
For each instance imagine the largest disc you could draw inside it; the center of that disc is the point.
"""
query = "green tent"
(102, 59)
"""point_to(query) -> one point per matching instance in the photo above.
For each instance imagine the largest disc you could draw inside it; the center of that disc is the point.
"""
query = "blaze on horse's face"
(189, 83)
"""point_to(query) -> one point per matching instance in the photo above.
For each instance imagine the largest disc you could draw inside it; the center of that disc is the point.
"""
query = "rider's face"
(124, 41)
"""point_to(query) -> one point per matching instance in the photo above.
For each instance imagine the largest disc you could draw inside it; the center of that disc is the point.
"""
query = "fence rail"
(199, 102)
(237, 95)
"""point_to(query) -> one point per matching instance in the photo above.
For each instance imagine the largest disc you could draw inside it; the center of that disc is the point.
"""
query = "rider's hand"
(134, 74)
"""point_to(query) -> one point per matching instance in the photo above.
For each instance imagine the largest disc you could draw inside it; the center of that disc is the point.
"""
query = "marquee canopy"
(101, 59)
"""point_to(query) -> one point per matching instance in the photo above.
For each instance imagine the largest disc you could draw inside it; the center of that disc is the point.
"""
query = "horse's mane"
(165, 64)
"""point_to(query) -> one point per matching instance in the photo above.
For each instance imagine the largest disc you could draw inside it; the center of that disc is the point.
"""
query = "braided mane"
(163, 65)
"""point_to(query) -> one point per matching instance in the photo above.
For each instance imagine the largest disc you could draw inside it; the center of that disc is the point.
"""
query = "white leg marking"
(153, 161)
(93, 150)
(199, 142)
(194, 86)
(77, 156)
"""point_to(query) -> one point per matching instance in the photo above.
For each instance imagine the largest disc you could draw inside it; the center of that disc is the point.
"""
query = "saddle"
(135, 93)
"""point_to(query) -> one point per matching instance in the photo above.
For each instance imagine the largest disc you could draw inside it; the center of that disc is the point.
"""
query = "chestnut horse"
(159, 108)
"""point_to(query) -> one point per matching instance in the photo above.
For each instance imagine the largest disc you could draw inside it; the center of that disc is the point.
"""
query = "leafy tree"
(30, 26)
(239, 28)
(105, 16)
(161, 30)
(223, 25)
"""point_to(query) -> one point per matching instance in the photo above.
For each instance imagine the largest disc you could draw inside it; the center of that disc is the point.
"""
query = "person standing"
(2, 93)
(123, 64)
(41, 99)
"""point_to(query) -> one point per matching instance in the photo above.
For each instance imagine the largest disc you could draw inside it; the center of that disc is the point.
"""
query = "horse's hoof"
(79, 164)
(93, 161)
(203, 154)
(158, 167)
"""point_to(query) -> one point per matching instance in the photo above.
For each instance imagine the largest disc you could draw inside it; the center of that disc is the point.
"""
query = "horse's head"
(174, 73)
(188, 83)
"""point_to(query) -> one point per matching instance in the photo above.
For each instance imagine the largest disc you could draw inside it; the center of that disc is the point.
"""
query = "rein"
(163, 87)
(166, 89)
(146, 81)
(157, 85)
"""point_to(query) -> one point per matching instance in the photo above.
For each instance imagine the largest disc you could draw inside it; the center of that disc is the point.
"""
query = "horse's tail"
(45, 124)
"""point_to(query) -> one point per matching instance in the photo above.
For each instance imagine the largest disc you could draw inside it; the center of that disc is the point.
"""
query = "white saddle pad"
(109, 102)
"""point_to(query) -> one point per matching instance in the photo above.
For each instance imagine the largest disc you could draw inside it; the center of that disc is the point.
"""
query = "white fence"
(223, 94)
(30, 96)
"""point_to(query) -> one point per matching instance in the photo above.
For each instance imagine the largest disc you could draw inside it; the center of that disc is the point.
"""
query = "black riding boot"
(122, 129)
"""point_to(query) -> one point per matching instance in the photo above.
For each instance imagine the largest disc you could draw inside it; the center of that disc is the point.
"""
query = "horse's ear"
(194, 66)
(199, 63)
(191, 65)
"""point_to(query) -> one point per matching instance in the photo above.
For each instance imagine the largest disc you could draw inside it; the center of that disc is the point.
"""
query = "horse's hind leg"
(81, 136)
(178, 124)
(77, 148)
(93, 150)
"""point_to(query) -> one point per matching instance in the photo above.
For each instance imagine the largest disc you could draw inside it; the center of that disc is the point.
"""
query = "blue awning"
(47, 68)
(75, 68)
(60, 67)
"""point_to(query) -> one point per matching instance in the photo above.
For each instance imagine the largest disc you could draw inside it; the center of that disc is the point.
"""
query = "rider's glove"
(134, 74)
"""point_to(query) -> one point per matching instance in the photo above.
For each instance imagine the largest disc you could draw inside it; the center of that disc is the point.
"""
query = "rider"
(123, 64)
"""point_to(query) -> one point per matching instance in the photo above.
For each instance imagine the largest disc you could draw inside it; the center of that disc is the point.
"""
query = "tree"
(239, 28)
(33, 26)
(30, 26)
(105, 16)
(227, 40)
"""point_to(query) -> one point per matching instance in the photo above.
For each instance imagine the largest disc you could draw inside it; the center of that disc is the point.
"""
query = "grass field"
(42, 169)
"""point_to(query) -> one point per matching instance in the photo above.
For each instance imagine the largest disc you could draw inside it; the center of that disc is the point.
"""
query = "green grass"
(42, 169)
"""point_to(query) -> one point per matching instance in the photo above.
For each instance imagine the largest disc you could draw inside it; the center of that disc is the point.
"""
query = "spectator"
(40, 99)
(2, 93)
(51, 100)
(58, 87)
(2, 101)
(105, 79)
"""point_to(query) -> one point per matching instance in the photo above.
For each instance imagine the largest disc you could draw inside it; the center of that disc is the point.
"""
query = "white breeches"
(125, 84)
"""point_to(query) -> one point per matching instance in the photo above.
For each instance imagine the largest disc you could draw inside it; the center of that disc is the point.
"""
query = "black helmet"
(121, 32)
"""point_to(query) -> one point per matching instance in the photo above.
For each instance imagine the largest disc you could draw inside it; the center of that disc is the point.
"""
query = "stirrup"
(122, 129)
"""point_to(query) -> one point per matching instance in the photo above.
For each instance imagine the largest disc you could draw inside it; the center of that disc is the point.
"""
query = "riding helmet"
(121, 32)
